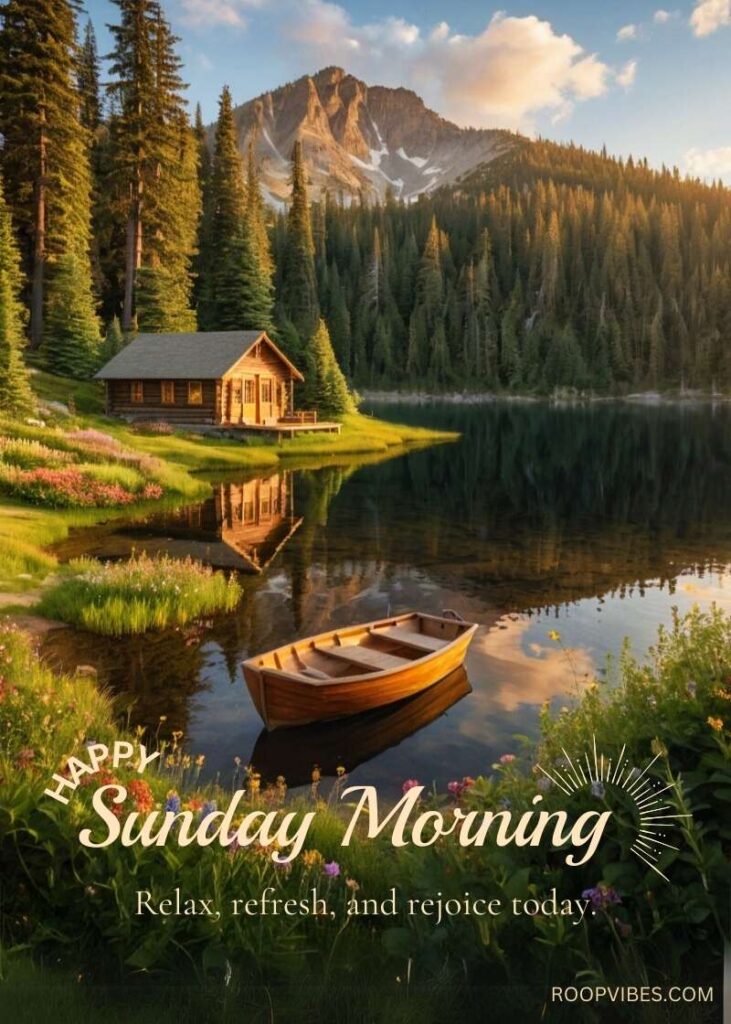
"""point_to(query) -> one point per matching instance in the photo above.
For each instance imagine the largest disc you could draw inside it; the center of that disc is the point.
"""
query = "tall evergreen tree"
(328, 386)
(45, 155)
(235, 290)
(88, 81)
(151, 169)
(15, 393)
(299, 282)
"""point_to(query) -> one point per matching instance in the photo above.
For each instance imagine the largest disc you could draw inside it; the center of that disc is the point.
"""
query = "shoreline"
(490, 397)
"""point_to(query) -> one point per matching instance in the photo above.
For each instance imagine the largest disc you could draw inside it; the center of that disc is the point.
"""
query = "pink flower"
(507, 758)
(410, 784)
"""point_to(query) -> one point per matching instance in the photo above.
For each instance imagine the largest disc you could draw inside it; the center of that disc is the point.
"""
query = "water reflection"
(595, 522)
(241, 527)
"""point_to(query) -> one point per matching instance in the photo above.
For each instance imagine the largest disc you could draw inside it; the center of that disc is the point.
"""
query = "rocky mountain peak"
(359, 140)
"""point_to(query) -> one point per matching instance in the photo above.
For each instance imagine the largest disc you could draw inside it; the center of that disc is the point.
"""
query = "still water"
(593, 521)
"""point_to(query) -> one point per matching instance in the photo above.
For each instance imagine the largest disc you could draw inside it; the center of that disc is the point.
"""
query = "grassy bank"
(68, 901)
(32, 511)
(143, 593)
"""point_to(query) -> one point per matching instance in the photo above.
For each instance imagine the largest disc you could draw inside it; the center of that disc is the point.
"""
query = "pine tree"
(329, 387)
(236, 289)
(153, 173)
(88, 81)
(15, 394)
(299, 282)
(45, 155)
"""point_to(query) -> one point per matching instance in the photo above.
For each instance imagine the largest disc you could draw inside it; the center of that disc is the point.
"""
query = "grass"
(143, 593)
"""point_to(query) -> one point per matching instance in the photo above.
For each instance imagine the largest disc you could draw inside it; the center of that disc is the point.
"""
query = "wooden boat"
(352, 741)
(349, 670)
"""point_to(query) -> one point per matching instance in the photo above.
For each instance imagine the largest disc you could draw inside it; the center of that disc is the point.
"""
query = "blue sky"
(642, 79)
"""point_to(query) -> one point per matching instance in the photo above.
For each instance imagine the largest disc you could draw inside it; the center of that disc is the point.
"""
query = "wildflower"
(141, 793)
(200, 760)
(340, 771)
(554, 635)
(598, 789)
(505, 804)
(312, 858)
(507, 758)
(352, 884)
(91, 890)
(692, 687)
(601, 896)
(652, 701)
(163, 718)
(173, 802)
(455, 788)
(237, 761)
(332, 869)
(316, 773)
(722, 694)
(715, 723)
(208, 808)
(410, 784)
(254, 782)
(25, 757)
(544, 784)
(658, 748)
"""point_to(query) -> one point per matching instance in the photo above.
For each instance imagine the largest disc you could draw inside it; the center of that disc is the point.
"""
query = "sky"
(639, 78)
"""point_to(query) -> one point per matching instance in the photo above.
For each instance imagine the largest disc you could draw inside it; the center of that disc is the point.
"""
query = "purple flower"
(410, 784)
(601, 896)
(332, 869)
(173, 802)
(208, 808)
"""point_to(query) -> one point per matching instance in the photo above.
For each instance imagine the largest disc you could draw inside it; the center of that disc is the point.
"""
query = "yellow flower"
(163, 718)
(715, 723)
(312, 858)
(658, 748)
(316, 773)
(200, 760)
(553, 634)
(340, 770)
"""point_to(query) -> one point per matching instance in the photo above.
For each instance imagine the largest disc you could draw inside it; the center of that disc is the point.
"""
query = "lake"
(593, 521)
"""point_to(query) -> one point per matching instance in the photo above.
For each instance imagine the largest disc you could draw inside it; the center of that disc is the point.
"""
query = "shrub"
(27, 454)
(69, 488)
(154, 427)
(95, 438)
(141, 594)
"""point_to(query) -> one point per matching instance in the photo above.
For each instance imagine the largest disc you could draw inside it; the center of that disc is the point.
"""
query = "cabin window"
(137, 391)
(167, 392)
(266, 391)
(249, 397)
(237, 392)
(195, 392)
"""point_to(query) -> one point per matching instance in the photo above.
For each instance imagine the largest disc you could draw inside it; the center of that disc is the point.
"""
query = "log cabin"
(225, 378)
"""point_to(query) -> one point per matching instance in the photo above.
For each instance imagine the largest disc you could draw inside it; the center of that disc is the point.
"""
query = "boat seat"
(314, 673)
(365, 657)
(419, 641)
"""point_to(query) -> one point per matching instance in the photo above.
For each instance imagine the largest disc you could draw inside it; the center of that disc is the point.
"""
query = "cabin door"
(236, 408)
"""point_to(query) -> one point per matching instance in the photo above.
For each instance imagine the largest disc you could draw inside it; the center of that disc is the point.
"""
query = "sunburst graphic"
(654, 819)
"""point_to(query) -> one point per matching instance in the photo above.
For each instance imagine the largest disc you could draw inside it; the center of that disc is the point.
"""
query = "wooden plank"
(419, 641)
(364, 657)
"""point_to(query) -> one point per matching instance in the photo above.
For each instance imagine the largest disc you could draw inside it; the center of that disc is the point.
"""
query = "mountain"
(360, 139)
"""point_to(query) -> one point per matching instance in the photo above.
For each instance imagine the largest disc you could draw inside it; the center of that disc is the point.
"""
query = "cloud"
(626, 76)
(627, 32)
(501, 77)
(708, 163)
(210, 13)
(661, 17)
(710, 15)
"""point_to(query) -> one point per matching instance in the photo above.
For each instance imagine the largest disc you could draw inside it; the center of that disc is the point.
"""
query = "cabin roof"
(204, 355)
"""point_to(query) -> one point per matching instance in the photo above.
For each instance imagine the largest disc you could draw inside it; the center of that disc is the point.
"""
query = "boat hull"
(284, 700)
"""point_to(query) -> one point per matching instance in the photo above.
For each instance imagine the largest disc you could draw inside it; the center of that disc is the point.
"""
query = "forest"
(551, 269)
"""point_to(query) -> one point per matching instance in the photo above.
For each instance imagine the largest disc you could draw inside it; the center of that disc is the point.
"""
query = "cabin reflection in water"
(241, 527)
